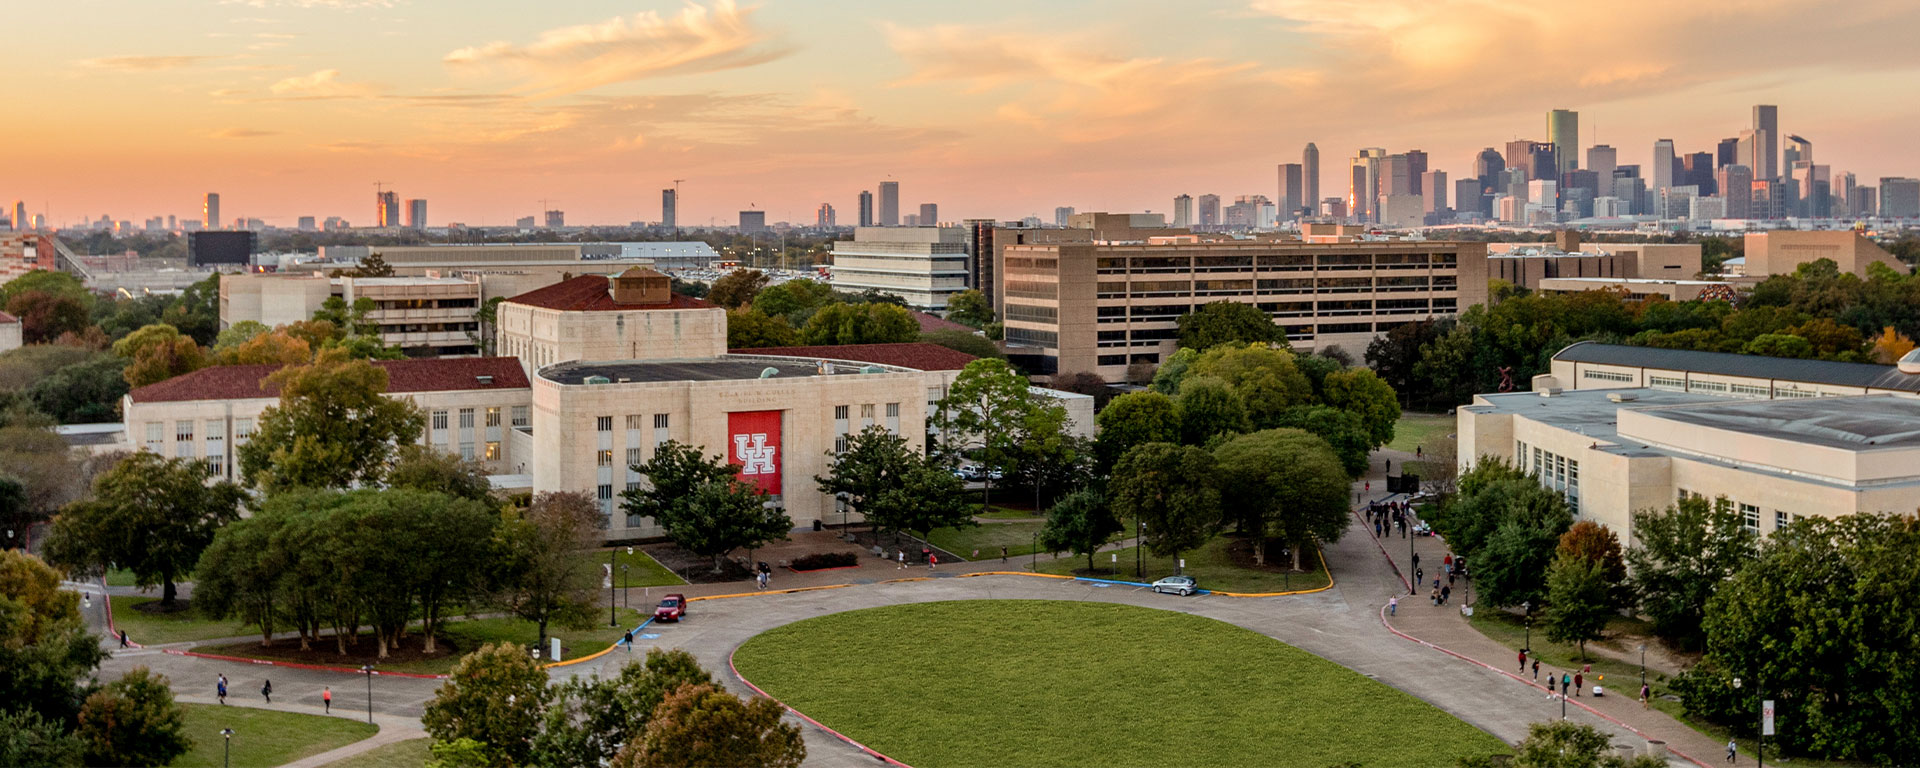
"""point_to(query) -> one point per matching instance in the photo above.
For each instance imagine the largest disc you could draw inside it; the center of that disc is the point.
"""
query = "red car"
(672, 608)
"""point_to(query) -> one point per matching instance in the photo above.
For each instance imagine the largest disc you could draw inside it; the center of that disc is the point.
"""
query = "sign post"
(556, 648)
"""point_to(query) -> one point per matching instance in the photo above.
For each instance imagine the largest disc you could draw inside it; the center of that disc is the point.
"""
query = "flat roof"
(1589, 412)
(697, 369)
(1862, 422)
(379, 281)
(1635, 281)
(1866, 375)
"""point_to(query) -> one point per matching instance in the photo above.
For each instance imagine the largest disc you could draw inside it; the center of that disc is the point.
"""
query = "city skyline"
(293, 109)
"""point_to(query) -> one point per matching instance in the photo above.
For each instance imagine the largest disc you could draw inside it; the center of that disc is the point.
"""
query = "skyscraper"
(670, 209)
(1697, 170)
(1292, 193)
(210, 211)
(416, 213)
(1662, 164)
(1487, 167)
(1601, 159)
(889, 204)
(1563, 132)
(556, 219)
(866, 208)
(1363, 185)
(1062, 213)
(1766, 131)
(1798, 150)
(1183, 209)
(20, 223)
(1417, 169)
(824, 219)
(1209, 210)
(1396, 178)
(1736, 185)
(929, 214)
(1727, 153)
(1310, 177)
(386, 208)
(1433, 185)
(1899, 197)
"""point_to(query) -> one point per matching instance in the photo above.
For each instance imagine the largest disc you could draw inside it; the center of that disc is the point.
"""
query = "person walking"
(1419, 576)
(1579, 681)
(1003, 553)
(1566, 681)
(1732, 750)
(903, 559)
(326, 698)
(1523, 661)
(266, 690)
(1416, 561)
(220, 689)
(1536, 670)
(1434, 598)
(933, 561)
(1446, 593)
(1393, 605)
(1645, 693)
(123, 638)
(1550, 686)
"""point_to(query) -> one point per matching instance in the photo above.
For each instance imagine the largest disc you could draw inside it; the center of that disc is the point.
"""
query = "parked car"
(970, 472)
(994, 474)
(1179, 585)
(672, 608)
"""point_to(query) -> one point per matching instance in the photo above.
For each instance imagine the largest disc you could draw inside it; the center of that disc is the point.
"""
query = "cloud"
(324, 84)
(621, 49)
(242, 133)
(146, 63)
(344, 5)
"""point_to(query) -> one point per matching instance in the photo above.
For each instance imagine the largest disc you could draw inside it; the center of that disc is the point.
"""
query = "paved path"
(392, 728)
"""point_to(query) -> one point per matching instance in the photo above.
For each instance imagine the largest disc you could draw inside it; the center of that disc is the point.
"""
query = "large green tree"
(1222, 322)
(86, 392)
(133, 721)
(1265, 379)
(497, 696)
(970, 308)
(1579, 601)
(44, 316)
(150, 515)
(748, 329)
(702, 506)
(536, 574)
(1509, 525)
(1170, 490)
(591, 718)
(1081, 523)
(703, 725)
(47, 654)
(737, 288)
(982, 415)
(425, 468)
(860, 324)
(1684, 554)
(158, 352)
(28, 738)
(1208, 408)
(1362, 393)
(333, 428)
(1284, 484)
(962, 341)
(795, 300)
(1133, 419)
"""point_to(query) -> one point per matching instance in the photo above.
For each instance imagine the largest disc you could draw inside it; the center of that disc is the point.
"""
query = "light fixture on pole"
(1528, 607)
(226, 750)
(368, 668)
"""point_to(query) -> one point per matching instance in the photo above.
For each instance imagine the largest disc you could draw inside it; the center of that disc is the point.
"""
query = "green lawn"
(1415, 429)
(1511, 630)
(1053, 683)
(1003, 513)
(159, 628)
(411, 753)
(1210, 565)
(119, 577)
(1016, 536)
(642, 569)
(460, 637)
(262, 737)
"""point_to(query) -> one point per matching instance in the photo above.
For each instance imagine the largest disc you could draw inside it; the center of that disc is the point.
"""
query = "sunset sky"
(991, 108)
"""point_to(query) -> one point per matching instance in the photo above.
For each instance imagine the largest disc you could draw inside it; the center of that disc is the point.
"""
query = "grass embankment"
(456, 638)
(409, 753)
(1016, 536)
(160, 628)
(1417, 429)
(641, 569)
(263, 737)
(1053, 683)
(1224, 564)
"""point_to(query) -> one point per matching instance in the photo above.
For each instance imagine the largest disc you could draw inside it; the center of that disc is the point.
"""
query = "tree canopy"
(1683, 555)
(1170, 490)
(150, 515)
(702, 505)
(1284, 484)
(970, 308)
(859, 324)
(333, 428)
(1223, 322)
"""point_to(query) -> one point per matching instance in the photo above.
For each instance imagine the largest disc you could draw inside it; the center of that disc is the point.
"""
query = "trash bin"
(819, 526)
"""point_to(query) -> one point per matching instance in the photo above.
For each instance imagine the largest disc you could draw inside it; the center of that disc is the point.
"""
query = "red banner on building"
(753, 445)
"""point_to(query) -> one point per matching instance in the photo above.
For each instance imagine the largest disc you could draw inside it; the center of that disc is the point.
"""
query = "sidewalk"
(1446, 630)
(392, 728)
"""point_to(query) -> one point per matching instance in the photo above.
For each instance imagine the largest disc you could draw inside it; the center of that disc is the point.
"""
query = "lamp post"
(1139, 545)
(1528, 607)
(611, 621)
(1760, 751)
(1643, 665)
(840, 500)
(1035, 567)
(226, 750)
(368, 668)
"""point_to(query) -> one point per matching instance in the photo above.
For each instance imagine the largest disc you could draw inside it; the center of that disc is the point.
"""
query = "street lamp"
(1760, 751)
(1036, 553)
(1643, 665)
(368, 668)
(1528, 607)
(226, 751)
(840, 500)
(611, 621)
(1139, 545)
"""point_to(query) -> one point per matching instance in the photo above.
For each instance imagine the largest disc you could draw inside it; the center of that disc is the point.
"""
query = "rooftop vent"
(484, 378)
(1909, 363)
(1623, 397)
(1550, 392)
(872, 369)
(769, 372)
(598, 380)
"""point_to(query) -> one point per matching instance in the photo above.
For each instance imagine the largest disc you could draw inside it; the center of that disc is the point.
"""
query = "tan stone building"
(423, 316)
(634, 316)
(1781, 251)
(1104, 306)
(1526, 264)
(1633, 289)
(1592, 365)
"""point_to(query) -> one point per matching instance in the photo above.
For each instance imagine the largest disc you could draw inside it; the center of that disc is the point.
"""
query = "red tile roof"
(239, 382)
(6, 318)
(930, 323)
(588, 293)
(916, 355)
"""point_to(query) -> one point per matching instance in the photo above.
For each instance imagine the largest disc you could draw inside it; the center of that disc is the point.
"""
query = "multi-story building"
(670, 209)
(632, 316)
(1310, 180)
(416, 213)
(1210, 210)
(1736, 187)
(929, 214)
(1060, 215)
(924, 266)
(1563, 132)
(1782, 251)
(423, 316)
(1292, 193)
(1899, 198)
(986, 238)
(555, 219)
(889, 204)
(866, 209)
(1663, 164)
(210, 211)
(1104, 306)
(1182, 211)
(386, 208)
(1765, 161)
(824, 217)
(1601, 159)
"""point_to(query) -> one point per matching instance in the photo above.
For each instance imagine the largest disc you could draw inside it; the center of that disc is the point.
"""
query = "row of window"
(1678, 384)
(1243, 262)
(1749, 513)
(843, 422)
(183, 440)
(1554, 471)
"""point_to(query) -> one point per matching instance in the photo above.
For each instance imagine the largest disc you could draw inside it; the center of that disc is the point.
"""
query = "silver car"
(1179, 585)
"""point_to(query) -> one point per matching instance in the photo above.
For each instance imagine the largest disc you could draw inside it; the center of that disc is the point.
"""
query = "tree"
(970, 308)
(29, 739)
(795, 300)
(374, 265)
(86, 392)
(459, 753)
(1265, 378)
(1170, 490)
(51, 282)
(1364, 394)
(872, 463)
(150, 515)
(157, 353)
(962, 341)
(1343, 431)
(197, 312)
(703, 725)
(333, 427)
(406, 554)
(426, 468)
(1596, 543)
(928, 497)
(1567, 744)
(982, 414)
(748, 328)
(240, 573)
(1509, 524)
(1394, 354)
(487, 323)
(1283, 483)
(1683, 555)
(1172, 371)
(1080, 523)
(701, 504)
(860, 324)
(1890, 346)
(536, 574)
(1133, 419)
(737, 288)
(495, 696)
(45, 316)
(591, 718)
(134, 722)
(1209, 408)
(46, 651)
(672, 474)
(1224, 321)
(237, 334)
(1579, 600)
(1779, 345)
(282, 346)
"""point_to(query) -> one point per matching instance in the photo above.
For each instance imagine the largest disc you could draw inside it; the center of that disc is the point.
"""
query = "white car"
(1179, 585)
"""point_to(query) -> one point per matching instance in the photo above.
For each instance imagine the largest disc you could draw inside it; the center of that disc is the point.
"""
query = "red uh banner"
(753, 445)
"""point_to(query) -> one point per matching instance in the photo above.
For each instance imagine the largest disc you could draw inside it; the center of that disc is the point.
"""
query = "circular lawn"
(1056, 683)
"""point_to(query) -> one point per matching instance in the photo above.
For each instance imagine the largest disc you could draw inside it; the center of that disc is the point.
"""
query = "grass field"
(1016, 536)
(998, 512)
(642, 569)
(1212, 565)
(459, 637)
(1418, 428)
(159, 628)
(411, 753)
(1050, 683)
(263, 738)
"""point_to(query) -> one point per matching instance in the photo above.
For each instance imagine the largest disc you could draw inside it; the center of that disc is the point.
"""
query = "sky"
(990, 108)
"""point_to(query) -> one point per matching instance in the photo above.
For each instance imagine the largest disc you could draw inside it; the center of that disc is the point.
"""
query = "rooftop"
(728, 368)
(6, 318)
(588, 293)
(379, 281)
(1636, 281)
(1590, 412)
(239, 382)
(1849, 423)
(1865, 375)
(930, 323)
(918, 355)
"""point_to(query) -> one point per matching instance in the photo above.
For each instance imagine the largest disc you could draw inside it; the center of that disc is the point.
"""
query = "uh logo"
(755, 455)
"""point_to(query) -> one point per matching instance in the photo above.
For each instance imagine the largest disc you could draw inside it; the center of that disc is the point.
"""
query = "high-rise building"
(929, 214)
(1601, 159)
(1768, 199)
(1534, 157)
(1468, 196)
(824, 218)
(670, 209)
(1061, 214)
(1363, 191)
(1662, 164)
(1433, 187)
(1183, 209)
(1310, 177)
(866, 208)
(1697, 170)
(20, 223)
(1865, 201)
(416, 213)
(1842, 193)
(1766, 133)
(1563, 132)
(1816, 191)
(753, 221)
(210, 211)
(1736, 187)
(910, 220)
(1292, 190)
(308, 224)
(1727, 153)
(1210, 210)
(386, 208)
(1396, 178)
(1899, 198)
(1797, 150)
(556, 219)
(1416, 168)
(889, 204)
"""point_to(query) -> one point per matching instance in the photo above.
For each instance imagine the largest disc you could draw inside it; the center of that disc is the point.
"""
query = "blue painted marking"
(636, 631)
(649, 636)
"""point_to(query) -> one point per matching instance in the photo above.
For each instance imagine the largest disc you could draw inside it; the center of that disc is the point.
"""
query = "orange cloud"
(324, 84)
(621, 49)
(146, 63)
(242, 133)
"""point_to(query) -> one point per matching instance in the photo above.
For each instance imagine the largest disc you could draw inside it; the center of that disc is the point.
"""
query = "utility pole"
(676, 208)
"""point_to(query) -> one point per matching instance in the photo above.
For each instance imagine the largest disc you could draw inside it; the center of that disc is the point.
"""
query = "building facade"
(632, 316)
(423, 316)
(924, 266)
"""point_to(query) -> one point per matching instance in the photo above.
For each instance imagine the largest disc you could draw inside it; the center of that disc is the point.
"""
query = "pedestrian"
(903, 559)
(1419, 576)
(933, 561)
(1416, 561)
(1579, 681)
(1523, 661)
(1448, 560)
(1436, 582)
(1446, 593)
(1393, 605)
(326, 697)
(1389, 466)
(1003, 553)
(1376, 527)
(1433, 598)
(1536, 671)
(1369, 486)
(1566, 681)
(1645, 693)
(1449, 575)
(976, 554)
(266, 691)
(1549, 686)
(1732, 749)
(1418, 452)
(220, 688)
(123, 638)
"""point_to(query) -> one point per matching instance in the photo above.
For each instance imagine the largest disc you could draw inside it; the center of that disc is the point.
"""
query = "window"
(156, 434)
(1749, 390)
(216, 466)
(493, 416)
(1706, 386)
(1750, 517)
(493, 450)
(1794, 394)
(603, 424)
(633, 422)
(603, 458)
(183, 431)
(1606, 375)
(840, 412)
(661, 432)
(466, 449)
(242, 429)
(1520, 456)
(893, 418)
(466, 419)
(1667, 382)
(633, 457)
(522, 416)
(604, 492)
(866, 415)
(1780, 520)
